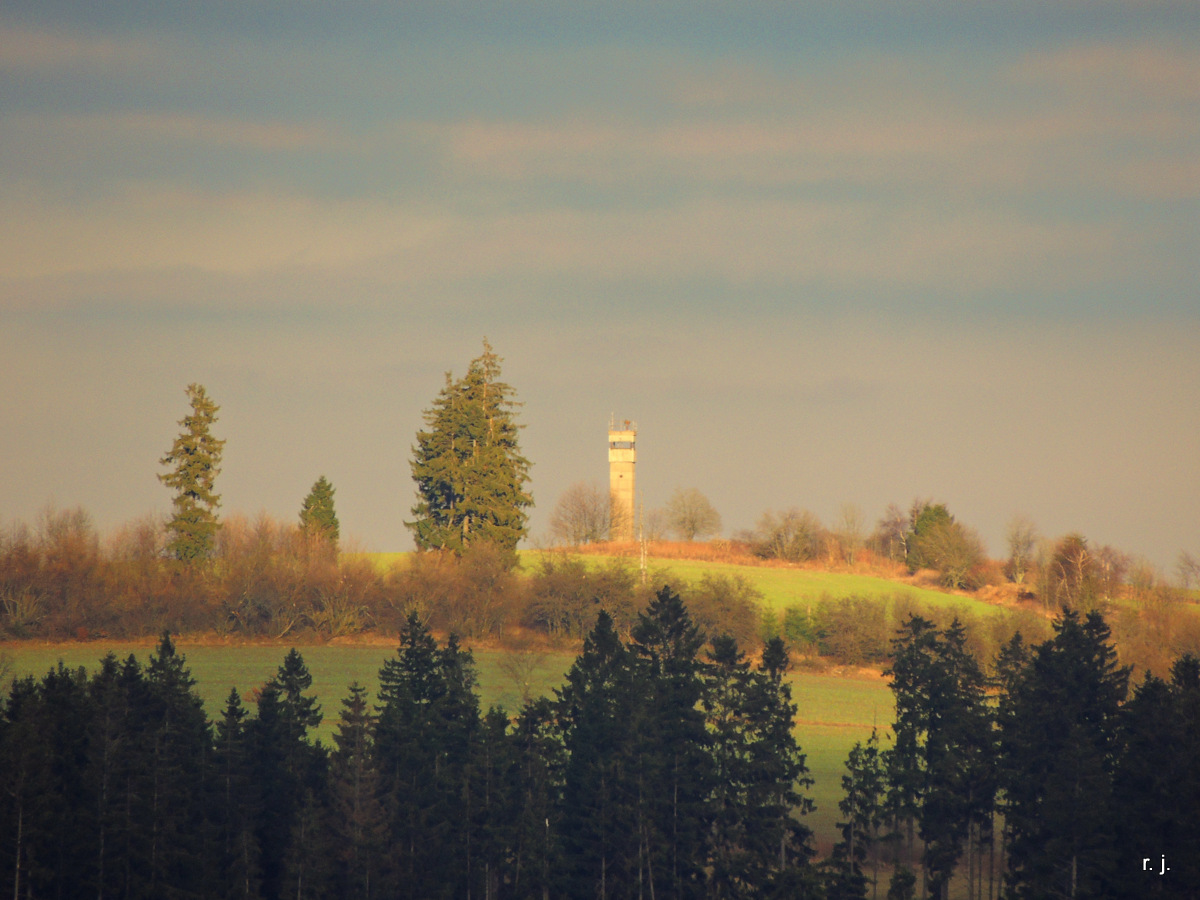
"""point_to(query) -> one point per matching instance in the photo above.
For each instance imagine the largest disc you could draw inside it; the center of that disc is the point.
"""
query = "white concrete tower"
(622, 455)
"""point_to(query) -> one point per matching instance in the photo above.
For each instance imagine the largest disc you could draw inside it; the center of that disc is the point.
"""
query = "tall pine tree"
(287, 769)
(862, 805)
(195, 461)
(235, 806)
(757, 844)
(470, 474)
(180, 742)
(357, 814)
(1060, 732)
(318, 519)
(941, 769)
(540, 759)
(425, 735)
(602, 849)
(672, 764)
(1157, 787)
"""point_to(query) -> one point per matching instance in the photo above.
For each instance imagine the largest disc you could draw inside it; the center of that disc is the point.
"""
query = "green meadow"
(781, 587)
(833, 711)
(784, 587)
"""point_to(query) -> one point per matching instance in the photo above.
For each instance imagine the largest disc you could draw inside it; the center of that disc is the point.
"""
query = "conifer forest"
(667, 765)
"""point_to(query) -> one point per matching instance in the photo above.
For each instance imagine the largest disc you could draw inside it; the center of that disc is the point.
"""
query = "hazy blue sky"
(822, 253)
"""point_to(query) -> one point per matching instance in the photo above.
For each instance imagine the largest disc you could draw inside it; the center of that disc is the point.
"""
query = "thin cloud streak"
(39, 49)
(736, 242)
(134, 129)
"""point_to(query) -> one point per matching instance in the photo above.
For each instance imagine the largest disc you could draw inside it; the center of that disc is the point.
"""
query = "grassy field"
(334, 668)
(833, 712)
(781, 587)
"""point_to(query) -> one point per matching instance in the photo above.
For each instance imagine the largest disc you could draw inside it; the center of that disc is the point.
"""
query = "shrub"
(725, 605)
(794, 535)
(565, 596)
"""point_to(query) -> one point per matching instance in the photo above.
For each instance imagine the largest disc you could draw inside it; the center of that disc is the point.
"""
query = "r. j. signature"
(1163, 870)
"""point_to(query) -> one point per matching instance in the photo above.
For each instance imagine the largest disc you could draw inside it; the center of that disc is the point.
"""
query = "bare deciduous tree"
(654, 525)
(850, 531)
(1070, 578)
(691, 515)
(1022, 538)
(581, 515)
(1188, 568)
(891, 533)
(954, 550)
(1144, 582)
(1112, 566)
(794, 535)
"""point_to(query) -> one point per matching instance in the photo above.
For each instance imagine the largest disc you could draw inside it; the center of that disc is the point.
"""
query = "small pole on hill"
(642, 539)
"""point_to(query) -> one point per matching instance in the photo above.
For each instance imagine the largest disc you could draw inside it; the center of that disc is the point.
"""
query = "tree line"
(655, 769)
(1045, 780)
(665, 766)
(471, 483)
(1065, 573)
(60, 580)
(265, 578)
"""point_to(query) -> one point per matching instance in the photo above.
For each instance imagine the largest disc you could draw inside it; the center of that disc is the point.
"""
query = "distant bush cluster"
(858, 631)
(267, 579)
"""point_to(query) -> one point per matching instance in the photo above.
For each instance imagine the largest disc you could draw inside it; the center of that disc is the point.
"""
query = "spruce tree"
(300, 711)
(288, 770)
(1060, 729)
(673, 764)
(781, 774)
(405, 733)
(757, 845)
(132, 836)
(470, 474)
(235, 806)
(1157, 788)
(537, 803)
(318, 520)
(912, 676)
(493, 802)
(268, 739)
(733, 869)
(106, 746)
(180, 742)
(862, 805)
(958, 758)
(357, 814)
(602, 849)
(48, 808)
(195, 461)
(424, 740)
(941, 769)
(458, 732)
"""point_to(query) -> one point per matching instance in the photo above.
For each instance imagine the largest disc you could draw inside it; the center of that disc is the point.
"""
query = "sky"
(822, 253)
